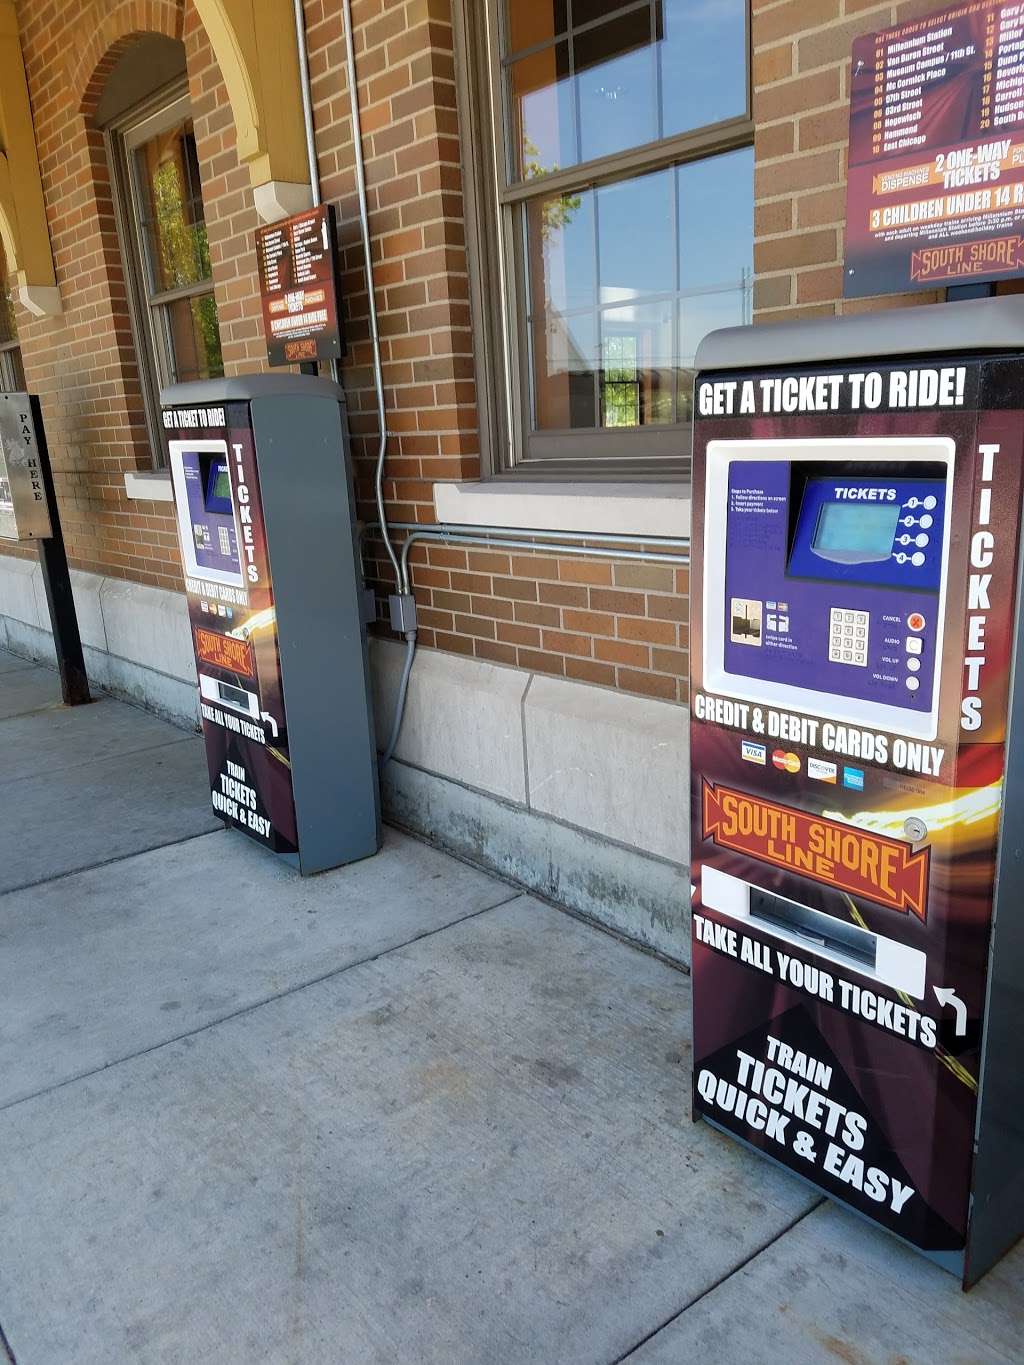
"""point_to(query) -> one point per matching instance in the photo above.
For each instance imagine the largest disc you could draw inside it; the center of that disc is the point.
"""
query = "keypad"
(848, 637)
(225, 541)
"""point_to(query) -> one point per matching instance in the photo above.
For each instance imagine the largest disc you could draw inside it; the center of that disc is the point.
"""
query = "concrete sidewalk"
(396, 1113)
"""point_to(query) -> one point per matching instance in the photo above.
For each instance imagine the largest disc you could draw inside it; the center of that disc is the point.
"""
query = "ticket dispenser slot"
(821, 930)
(856, 641)
(828, 938)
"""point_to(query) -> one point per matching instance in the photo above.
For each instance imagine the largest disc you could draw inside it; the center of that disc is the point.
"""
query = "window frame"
(12, 370)
(499, 291)
(153, 347)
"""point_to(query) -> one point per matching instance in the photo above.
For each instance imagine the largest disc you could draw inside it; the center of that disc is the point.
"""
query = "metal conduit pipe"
(307, 119)
(307, 101)
(490, 542)
(598, 537)
(378, 374)
(442, 533)
(364, 222)
(568, 542)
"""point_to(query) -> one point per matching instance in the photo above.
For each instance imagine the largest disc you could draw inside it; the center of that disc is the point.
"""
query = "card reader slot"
(818, 928)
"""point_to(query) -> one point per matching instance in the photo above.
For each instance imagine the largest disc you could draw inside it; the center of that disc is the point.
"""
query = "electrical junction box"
(858, 762)
(260, 468)
(24, 514)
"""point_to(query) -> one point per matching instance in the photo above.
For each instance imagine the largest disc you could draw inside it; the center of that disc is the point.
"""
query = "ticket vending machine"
(265, 512)
(858, 763)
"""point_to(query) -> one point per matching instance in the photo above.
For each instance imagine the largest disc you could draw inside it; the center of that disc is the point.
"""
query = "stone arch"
(107, 30)
(22, 211)
(256, 51)
(228, 40)
(8, 216)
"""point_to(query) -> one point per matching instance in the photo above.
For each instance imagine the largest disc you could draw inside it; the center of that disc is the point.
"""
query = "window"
(614, 221)
(12, 374)
(166, 250)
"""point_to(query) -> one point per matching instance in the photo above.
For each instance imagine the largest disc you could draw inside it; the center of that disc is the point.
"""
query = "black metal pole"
(74, 684)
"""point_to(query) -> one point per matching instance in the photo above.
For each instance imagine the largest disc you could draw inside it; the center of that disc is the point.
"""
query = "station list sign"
(299, 288)
(935, 192)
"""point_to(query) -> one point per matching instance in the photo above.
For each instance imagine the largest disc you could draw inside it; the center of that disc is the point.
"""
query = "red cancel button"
(915, 621)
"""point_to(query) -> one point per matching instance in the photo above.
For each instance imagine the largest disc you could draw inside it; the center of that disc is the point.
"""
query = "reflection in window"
(172, 209)
(624, 282)
(12, 374)
(8, 327)
(176, 253)
(620, 383)
(624, 192)
(586, 80)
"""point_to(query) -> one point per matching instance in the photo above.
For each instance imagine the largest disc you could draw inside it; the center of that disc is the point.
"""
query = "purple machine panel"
(832, 579)
(210, 510)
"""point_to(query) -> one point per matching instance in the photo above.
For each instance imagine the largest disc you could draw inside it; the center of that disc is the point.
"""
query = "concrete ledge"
(634, 509)
(642, 898)
(170, 698)
(148, 625)
(577, 792)
(463, 717)
(86, 588)
(136, 638)
(148, 485)
(18, 596)
(610, 762)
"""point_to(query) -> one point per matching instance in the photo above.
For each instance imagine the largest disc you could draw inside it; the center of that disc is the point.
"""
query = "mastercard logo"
(789, 763)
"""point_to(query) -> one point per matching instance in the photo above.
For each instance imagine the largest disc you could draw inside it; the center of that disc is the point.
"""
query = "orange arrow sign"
(858, 861)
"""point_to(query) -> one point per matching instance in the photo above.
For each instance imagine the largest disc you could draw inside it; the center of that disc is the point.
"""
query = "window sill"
(148, 485)
(603, 508)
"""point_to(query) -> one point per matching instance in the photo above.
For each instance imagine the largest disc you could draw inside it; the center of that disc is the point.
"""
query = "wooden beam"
(23, 223)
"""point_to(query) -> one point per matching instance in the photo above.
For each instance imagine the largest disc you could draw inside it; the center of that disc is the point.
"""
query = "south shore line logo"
(881, 869)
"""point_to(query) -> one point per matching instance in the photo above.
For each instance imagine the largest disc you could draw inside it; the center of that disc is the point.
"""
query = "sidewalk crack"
(110, 862)
(92, 762)
(6, 1349)
(733, 1270)
(258, 1004)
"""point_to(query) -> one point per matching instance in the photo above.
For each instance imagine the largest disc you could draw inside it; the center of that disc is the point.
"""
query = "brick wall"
(801, 74)
(615, 624)
(82, 365)
(231, 219)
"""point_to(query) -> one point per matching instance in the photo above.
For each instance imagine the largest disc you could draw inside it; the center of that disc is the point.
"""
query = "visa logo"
(854, 779)
(754, 753)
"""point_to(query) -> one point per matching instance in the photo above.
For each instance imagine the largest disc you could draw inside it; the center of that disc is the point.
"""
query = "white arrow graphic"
(946, 996)
(265, 715)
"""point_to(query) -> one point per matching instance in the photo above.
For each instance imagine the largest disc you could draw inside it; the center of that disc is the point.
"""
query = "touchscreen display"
(218, 488)
(855, 532)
